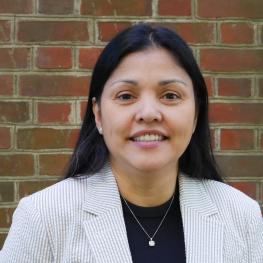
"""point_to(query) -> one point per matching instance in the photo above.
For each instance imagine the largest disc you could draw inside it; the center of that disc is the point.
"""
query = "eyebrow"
(168, 81)
(161, 83)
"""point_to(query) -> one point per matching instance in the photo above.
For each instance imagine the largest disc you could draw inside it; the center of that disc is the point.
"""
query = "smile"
(148, 138)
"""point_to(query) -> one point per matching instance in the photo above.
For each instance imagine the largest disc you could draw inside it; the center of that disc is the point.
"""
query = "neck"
(146, 188)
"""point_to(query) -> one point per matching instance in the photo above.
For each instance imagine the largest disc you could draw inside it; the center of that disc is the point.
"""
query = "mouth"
(149, 138)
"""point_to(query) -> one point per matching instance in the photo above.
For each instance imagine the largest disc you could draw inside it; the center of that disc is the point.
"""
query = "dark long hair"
(91, 153)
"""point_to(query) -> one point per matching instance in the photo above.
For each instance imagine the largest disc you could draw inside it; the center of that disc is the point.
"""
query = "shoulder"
(59, 199)
(239, 213)
(232, 204)
(228, 196)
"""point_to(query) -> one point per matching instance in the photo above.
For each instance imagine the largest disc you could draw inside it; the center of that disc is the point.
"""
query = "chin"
(149, 167)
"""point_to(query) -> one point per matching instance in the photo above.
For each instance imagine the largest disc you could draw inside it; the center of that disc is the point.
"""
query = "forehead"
(153, 56)
(151, 65)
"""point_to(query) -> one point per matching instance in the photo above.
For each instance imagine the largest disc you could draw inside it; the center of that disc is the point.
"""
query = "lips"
(148, 136)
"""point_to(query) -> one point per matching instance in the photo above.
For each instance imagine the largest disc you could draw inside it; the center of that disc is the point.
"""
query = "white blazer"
(81, 221)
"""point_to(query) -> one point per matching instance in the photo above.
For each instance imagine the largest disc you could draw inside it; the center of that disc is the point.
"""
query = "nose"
(148, 111)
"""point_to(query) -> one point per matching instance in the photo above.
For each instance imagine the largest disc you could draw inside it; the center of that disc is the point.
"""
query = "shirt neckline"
(155, 211)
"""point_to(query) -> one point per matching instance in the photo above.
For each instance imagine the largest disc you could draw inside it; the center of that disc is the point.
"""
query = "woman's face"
(147, 111)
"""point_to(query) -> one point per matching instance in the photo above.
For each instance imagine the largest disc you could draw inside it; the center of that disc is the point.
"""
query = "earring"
(100, 130)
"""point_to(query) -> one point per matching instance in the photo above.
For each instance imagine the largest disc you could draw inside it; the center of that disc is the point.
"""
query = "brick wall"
(47, 52)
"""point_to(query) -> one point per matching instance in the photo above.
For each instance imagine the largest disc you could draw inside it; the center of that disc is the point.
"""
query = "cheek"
(184, 116)
(115, 124)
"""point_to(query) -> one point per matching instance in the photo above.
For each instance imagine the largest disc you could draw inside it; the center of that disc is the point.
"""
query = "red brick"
(240, 166)
(240, 87)
(233, 8)
(14, 58)
(249, 188)
(174, 7)
(54, 57)
(6, 85)
(193, 32)
(5, 138)
(2, 239)
(16, 165)
(88, 57)
(38, 85)
(53, 164)
(236, 113)
(237, 33)
(14, 111)
(6, 217)
(237, 139)
(43, 31)
(209, 85)
(241, 59)
(53, 112)
(56, 7)
(7, 191)
(16, 6)
(107, 30)
(46, 138)
(116, 7)
(5, 30)
(83, 107)
(28, 188)
(260, 87)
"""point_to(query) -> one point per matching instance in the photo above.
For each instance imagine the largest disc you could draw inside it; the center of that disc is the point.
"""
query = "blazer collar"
(106, 230)
(203, 228)
(103, 194)
(193, 195)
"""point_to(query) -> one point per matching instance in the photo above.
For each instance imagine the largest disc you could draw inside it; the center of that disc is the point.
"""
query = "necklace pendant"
(151, 243)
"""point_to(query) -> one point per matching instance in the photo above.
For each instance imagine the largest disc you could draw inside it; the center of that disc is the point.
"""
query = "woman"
(142, 185)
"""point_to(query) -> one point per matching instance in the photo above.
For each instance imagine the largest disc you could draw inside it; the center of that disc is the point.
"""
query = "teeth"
(148, 138)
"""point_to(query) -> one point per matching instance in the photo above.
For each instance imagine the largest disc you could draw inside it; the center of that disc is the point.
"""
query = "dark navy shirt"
(169, 240)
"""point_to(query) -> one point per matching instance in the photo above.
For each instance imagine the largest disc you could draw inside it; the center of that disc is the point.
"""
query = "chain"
(139, 223)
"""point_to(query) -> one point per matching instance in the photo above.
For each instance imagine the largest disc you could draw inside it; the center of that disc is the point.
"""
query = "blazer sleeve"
(27, 240)
(255, 236)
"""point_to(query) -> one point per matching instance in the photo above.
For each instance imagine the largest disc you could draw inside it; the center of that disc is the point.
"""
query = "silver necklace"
(151, 241)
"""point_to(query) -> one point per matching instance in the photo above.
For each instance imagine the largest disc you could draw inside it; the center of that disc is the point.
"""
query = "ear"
(96, 112)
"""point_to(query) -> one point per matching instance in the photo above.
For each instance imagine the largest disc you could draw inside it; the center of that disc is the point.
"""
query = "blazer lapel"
(203, 231)
(106, 229)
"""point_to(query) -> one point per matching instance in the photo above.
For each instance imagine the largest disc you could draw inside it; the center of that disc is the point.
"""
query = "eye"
(170, 96)
(125, 96)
